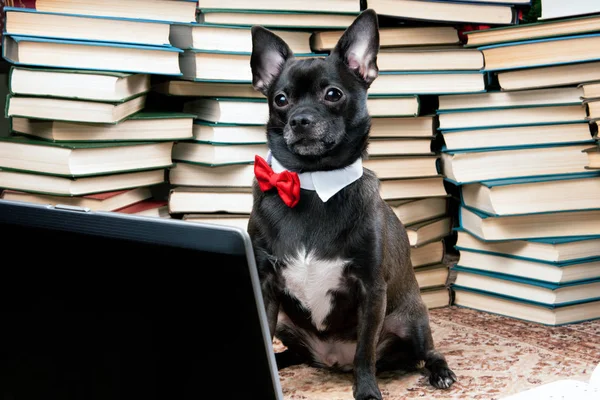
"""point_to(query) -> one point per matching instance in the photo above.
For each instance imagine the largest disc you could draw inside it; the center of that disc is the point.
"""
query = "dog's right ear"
(269, 53)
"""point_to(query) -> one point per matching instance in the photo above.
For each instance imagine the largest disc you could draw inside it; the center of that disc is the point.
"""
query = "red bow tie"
(287, 183)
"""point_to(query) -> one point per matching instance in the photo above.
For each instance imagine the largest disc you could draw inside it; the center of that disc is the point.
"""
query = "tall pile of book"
(80, 132)
(529, 235)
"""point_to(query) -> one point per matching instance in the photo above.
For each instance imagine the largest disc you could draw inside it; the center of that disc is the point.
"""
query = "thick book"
(76, 84)
(224, 134)
(419, 210)
(528, 289)
(436, 297)
(593, 157)
(214, 155)
(434, 58)
(593, 106)
(276, 19)
(525, 310)
(156, 10)
(57, 109)
(591, 90)
(222, 38)
(148, 208)
(199, 175)
(188, 200)
(533, 226)
(428, 82)
(177, 87)
(421, 126)
(553, 76)
(446, 11)
(549, 250)
(469, 166)
(541, 271)
(412, 188)
(516, 136)
(141, 126)
(535, 30)
(29, 22)
(496, 99)
(81, 159)
(222, 219)
(328, 6)
(229, 110)
(393, 37)
(393, 106)
(99, 56)
(426, 232)
(107, 201)
(403, 166)
(428, 254)
(541, 52)
(431, 276)
(65, 186)
(534, 195)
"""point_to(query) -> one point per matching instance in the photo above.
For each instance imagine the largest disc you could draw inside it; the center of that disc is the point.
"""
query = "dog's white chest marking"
(310, 280)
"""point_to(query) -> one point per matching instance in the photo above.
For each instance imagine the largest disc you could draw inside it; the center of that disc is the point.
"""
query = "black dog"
(333, 259)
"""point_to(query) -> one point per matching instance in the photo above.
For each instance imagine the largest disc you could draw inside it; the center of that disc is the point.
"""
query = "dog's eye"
(333, 95)
(281, 100)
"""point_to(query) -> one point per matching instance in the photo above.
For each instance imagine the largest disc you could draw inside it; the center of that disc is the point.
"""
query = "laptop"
(100, 305)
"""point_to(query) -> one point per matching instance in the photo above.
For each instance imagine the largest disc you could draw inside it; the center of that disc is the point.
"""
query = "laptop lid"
(101, 305)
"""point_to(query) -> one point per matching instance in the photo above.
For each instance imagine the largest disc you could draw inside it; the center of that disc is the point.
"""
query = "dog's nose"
(300, 122)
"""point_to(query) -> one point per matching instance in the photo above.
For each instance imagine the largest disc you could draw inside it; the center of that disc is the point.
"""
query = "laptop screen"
(92, 317)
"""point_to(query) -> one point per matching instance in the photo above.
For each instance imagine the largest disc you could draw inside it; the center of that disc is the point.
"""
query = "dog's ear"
(269, 53)
(359, 45)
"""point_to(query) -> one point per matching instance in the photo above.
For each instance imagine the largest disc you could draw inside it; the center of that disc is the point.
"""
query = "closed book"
(187, 200)
(206, 132)
(412, 188)
(229, 110)
(393, 106)
(439, 58)
(276, 18)
(403, 166)
(435, 297)
(413, 211)
(233, 220)
(82, 158)
(431, 276)
(427, 82)
(426, 232)
(428, 254)
(593, 157)
(550, 76)
(100, 56)
(421, 126)
(148, 208)
(176, 87)
(329, 6)
(213, 155)
(187, 174)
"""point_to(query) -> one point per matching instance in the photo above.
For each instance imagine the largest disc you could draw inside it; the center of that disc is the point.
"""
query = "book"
(549, 250)
(431, 276)
(435, 297)
(484, 165)
(427, 82)
(329, 6)
(535, 30)
(445, 11)
(552, 76)
(528, 289)
(101, 56)
(593, 157)
(399, 146)
(64, 186)
(593, 106)
(419, 210)
(540, 52)
(187, 200)
(276, 19)
(443, 58)
(393, 37)
(591, 90)
(213, 155)
(552, 9)
(396, 106)
(426, 232)
(236, 175)
(107, 201)
(148, 208)
(428, 254)
(156, 10)
(29, 22)
(516, 136)
(505, 117)
(419, 126)
(230, 39)
(207, 132)
(532, 226)
(81, 159)
(207, 89)
(229, 110)
(499, 99)
(141, 126)
(547, 315)
(57, 109)
(541, 271)
(115, 87)
(403, 166)
(412, 188)
(534, 195)
(234, 220)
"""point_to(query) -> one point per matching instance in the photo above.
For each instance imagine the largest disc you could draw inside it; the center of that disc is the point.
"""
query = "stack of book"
(529, 235)
(80, 131)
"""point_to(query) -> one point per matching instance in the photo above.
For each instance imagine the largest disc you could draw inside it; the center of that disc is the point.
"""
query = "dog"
(333, 259)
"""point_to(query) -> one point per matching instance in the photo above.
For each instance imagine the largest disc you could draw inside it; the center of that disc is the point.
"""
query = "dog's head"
(318, 117)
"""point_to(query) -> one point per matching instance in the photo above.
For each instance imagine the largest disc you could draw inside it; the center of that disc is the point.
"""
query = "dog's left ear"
(269, 53)
(359, 45)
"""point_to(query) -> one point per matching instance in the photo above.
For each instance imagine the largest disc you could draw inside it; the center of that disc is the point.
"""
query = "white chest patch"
(310, 280)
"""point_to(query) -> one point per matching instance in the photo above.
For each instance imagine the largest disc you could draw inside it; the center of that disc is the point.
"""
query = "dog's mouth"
(314, 143)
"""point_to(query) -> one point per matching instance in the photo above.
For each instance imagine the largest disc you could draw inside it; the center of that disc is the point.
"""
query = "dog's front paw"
(441, 376)
(367, 389)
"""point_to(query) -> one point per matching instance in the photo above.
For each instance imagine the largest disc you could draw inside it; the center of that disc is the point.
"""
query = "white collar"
(325, 183)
